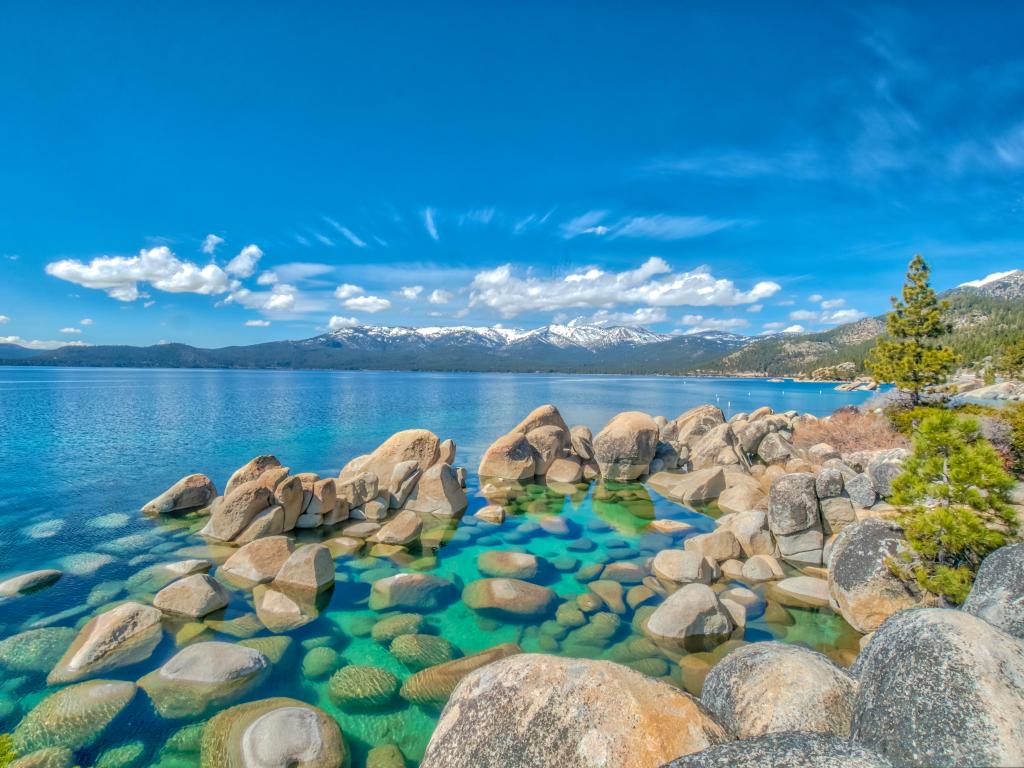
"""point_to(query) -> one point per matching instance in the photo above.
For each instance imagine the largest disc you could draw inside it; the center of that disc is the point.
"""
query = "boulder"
(446, 452)
(288, 494)
(792, 750)
(502, 563)
(72, 718)
(674, 567)
(541, 416)
(740, 498)
(753, 433)
(492, 513)
(35, 650)
(536, 711)
(775, 449)
(861, 490)
(688, 427)
(259, 561)
(751, 531)
(884, 467)
(419, 445)
(50, 757)
(28, 582)
(438, 492)
(836, 514)
(762, 568)
(692, 616)
(310, 568)
(625, 447)
(250, 471)
(188, 493)
(360, 487)
(325, 495)
(861, 584)
(692, 487)
(718, 447)
(719, 545)
(194, 596)
(232, 512)
(203, 676)
(807, 590)
(269, 522)
(548, 443)
(403, 529)
(959, 677)
(124, 635)
(411, 591)
(433, 685)
(403, 480)
(998, 592)
(582, 440)
(358, 687)
(792, 504)
(565, 469)
(775, 687)
(509, 598)
(421, 651)
(281, 611)
(829, 483)
(510, 457)
(272, 733)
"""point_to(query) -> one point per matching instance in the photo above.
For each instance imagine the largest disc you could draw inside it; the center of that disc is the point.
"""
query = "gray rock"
(792, 503)
(785, 750)
(775, 687)
(689, 427)
(962, 680)
(536, 711)
(998, 592)
(775, 449)
(861, 490)
(693, 617)
(582, 441)
(829, 483)
(885, 467)
(837, 513)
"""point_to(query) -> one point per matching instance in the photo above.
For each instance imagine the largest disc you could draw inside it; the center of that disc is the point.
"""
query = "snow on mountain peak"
(988, 279)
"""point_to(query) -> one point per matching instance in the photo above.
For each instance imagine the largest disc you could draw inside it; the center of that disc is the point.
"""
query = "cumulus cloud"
(257, 323)
(244, 264)
(347, 291)
(269, 277)
(336, 323)
(369, 304)
(653, 284)
(439, 297)
(85, 321)
(793, 329)
(429, 224)
(280, 298)
(70, 329)
(119, 276)
(4, 319)
(833, 303)
(35, 344)
(640, 316)
(828, 316)
(410, 291)
(755, 307)
(210, 243)
(803, 314)
(699, 323)
(815, 297)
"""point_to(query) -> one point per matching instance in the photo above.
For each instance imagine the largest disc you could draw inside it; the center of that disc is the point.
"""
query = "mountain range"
(985, 314)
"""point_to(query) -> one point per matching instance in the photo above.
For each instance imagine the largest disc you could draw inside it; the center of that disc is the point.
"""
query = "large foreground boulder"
(688, 427)
(188, 493)
(998, 592)
(232, 513)
(941, 687)
(786, 750)
(535, 711)
(419, 445)
(774, 687)
(273, 733)
(625, 447)
(861, 582)
(438, 492)
(510, 457)
(124, 635)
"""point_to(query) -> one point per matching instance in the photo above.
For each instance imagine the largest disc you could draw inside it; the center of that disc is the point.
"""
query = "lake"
(82, 449)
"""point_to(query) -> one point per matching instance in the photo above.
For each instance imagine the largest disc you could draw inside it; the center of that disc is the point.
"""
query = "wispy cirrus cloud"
(347, 233)
(700, 324)
(257, 323)
(659, 226)
(429, 223)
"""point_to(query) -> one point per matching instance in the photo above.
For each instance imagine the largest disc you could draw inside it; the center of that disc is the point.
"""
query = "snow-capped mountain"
(1001, 285)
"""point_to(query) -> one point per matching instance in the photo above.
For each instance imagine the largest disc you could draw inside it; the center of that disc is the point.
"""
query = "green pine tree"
(911, 357)
(955, 495)
(1012, 361)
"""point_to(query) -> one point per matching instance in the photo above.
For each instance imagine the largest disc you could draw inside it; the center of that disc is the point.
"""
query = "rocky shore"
(928, 685)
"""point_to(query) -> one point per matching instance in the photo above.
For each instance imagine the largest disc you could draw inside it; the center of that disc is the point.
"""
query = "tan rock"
(542, 416)
(510, 457)
(762, 568)
(719, 545)
(282, 612)
(549, 443)
(194, 596)
(124, 635)
(188, 493)
(419, 445)
(250, 471)
(566, 469)
(675, 567)
(231, 513)
(433, 685)
(259, 562)
(269, 522)
(309, 568)
(438, 492)
(403, 529)
(625, 447)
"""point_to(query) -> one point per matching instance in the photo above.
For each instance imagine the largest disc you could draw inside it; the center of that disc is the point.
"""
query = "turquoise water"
(81, 450)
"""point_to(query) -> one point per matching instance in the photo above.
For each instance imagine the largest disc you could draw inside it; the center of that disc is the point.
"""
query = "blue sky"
(227, 173)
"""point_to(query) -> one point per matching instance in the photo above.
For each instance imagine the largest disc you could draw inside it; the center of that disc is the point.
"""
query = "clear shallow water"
(82, 450)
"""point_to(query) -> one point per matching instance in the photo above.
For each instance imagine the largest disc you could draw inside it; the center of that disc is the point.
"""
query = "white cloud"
(699, 323)
(639, 316)
(827, 317)
(815, 297)
(347, 291)
(665, 227)
(410, 291)
(439, 297)
(210, 243)
(774, 326)
(793, 329)
(4, 319)
(268, 277)
(369, 304)
(85, 321)
(257, 323)
(35, 344)
(244, 264)
(303, 241)
(803, 314)
(833, 303)
(148, 304)
(585, 224)
(345, 232)
(323, 238)
(652, 284)
(336, 323)
(429, 224)
(70, 329)
(301, 270)
(478, 216)
(755, 307)
(119, 276)
(280, 298)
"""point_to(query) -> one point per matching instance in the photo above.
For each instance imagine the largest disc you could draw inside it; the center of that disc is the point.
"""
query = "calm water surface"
(81, 450)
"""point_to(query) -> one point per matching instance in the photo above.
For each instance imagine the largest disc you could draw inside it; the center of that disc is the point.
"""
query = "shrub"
(7, 754)
(848, 431)
(954, 493)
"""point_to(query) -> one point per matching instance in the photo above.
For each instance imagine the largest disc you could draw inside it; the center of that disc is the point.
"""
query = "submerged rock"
(692, 616)
(421, 651)
(273, 733)
(515, 565)
(535, 711)
(792, 750)
(773, 688)
(280, 611)
(959, 676)
(433, 685)
(119, 637)
(412, 591)
(50, 757)
(309, 568)
(73, 717)
(998, 592)
(188, 493)
(203, 676)
(259, 561)
(390, 627)
(35, 650)
(194, 596)
(509, 598)
(358, 687)
(28, 582)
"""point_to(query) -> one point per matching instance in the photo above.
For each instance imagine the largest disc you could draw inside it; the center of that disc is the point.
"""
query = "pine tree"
(955, 495)
(910, 357)
(1012, 361)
